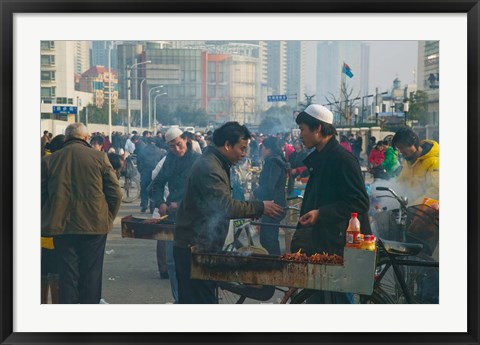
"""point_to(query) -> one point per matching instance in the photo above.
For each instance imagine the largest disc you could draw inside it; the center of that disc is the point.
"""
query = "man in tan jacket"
(80, 199)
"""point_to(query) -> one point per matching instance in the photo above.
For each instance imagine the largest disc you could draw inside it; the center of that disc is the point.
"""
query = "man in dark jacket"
(202, 218)
(175, 170)
(334, 190)
(80, 199)
(147, 160)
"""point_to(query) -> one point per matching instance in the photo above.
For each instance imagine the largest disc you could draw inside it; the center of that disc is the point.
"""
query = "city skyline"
(388, 60)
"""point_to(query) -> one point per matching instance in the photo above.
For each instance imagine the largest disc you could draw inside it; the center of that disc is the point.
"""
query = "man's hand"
(271, 209)
(309, 218)
(163, 209)
(173, 207)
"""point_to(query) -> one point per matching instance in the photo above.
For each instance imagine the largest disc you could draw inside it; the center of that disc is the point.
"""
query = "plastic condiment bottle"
(353, 232)
(368, 242)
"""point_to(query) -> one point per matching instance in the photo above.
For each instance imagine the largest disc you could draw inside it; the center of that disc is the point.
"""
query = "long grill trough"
(136, 228)
(355, 275)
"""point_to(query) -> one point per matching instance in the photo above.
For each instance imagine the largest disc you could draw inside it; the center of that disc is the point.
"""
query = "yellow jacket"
(421, 178)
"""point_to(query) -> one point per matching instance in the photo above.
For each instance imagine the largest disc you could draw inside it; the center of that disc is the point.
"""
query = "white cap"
(172, 133)
(319, 112)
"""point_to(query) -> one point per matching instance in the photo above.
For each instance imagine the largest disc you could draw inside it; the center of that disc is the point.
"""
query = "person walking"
(334, 190)
(80, 198)
(271, 186)
(203, 214)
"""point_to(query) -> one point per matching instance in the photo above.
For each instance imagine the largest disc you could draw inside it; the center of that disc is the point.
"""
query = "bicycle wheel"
(378, 296)
(225, 296)
(130, 189)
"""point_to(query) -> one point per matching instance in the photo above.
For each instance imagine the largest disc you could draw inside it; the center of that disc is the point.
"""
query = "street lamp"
(377, 110)
(355, 112)
(155, 106)
(405, 110)
(141, 103)
(129, 71)
(150, 105)
(110, 90)
(244, 104)
(363, 105)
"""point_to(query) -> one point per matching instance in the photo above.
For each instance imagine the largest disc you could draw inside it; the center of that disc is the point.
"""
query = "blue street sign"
(64, 109)
(276, 98)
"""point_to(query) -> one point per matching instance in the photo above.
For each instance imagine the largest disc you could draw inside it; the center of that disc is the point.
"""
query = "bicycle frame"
(397, 261)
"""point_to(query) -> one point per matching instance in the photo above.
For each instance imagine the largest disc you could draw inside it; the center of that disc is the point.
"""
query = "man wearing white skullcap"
(175, 170)
(334, 190)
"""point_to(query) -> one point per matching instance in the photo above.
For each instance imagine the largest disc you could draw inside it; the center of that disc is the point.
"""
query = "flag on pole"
(347, 70)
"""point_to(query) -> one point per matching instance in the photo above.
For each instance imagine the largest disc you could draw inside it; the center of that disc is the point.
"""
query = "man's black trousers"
(80, 266)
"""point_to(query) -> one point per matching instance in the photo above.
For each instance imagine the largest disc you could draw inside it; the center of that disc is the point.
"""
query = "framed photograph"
(454, 24)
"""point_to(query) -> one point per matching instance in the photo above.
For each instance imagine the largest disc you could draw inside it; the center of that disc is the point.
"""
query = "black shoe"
(164, 275)
(143, 209)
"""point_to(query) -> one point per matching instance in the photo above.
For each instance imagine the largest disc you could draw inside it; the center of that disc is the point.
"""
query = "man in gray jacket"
(202, 218)
(80, 199)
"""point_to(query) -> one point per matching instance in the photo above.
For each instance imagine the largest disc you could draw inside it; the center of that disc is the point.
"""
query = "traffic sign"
(276, 98)
(64, 109)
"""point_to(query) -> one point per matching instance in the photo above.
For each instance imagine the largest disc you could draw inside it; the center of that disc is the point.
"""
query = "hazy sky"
(389, 59)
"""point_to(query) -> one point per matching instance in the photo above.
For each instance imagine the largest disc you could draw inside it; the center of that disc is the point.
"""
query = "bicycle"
(400, 268)
(237, 293)
(129, 181)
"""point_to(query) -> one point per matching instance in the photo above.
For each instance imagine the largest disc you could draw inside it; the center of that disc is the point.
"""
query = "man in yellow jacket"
(420, 172)
(420, 177)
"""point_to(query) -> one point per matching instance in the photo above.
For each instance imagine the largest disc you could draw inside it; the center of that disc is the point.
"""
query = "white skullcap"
(172, 133)
(319, 112)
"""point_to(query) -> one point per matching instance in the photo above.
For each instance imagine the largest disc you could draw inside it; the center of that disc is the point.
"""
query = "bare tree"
(308, 101)
(345, 103)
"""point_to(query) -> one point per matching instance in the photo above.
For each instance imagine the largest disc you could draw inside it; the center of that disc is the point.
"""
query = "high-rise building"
(295, 72)
(96, 80)
(180, 71)
(56, 74)
(429, 76)
(81, 56)
(276, 62)
(331, 55)
(59, 99)
(99, 53)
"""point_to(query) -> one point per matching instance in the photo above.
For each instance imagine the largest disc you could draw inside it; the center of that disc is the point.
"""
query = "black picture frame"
(10, 7)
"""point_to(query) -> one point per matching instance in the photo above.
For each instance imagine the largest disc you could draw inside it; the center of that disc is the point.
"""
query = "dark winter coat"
(336, 188)
(202, 218)
(148, 158)
(272, 181)
(175, 171)
(80, 191)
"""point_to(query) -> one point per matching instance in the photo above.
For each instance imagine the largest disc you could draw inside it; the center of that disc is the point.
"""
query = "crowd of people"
(192, 178)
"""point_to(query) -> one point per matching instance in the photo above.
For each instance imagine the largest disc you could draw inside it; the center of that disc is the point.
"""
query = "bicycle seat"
(401, 248)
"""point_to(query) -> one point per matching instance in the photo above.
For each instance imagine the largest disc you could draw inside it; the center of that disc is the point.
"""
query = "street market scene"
(228, 172)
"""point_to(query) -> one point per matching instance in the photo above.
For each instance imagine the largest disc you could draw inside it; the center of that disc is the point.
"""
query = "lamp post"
(244, 104)
(110, 90)
(363, 105)
(355, 113)
(377, 110)
(405, 110)
(141, 103)
(129, 71)
(150, 105)
(155, 106)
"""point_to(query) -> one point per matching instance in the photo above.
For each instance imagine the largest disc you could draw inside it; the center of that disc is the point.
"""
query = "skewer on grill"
(155, 220)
